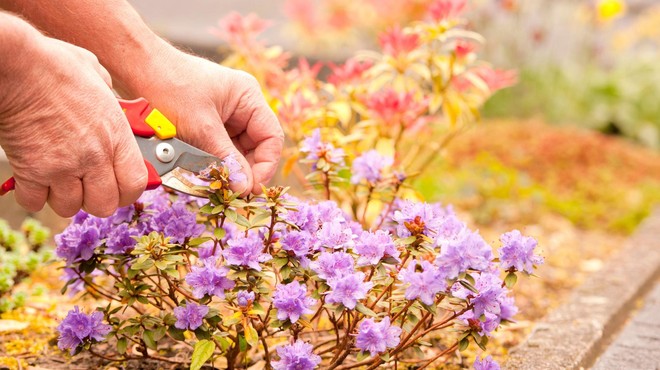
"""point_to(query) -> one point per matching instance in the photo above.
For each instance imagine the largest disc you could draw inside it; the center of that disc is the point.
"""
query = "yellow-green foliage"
(614, 193)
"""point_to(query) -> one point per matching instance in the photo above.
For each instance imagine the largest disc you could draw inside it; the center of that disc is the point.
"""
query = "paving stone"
(638, 344)
(575, 334)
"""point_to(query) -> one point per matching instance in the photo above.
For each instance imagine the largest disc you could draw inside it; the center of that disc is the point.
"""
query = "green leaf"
(202, 351)
(224, 343)
(159, 333)
(197, 241)
(219, 232)
(162, 265)
(242, 221)
(365, 310)
(463, 344)
(148, 338)
(468, 286)
(429, 308)
(251, 336)
(176, 333)
(260, 217)
(122, 343)
(242, 343)
(218, 209)
(510, 279)
(279, 262)
(201, 333)
(285, 272)
(231, 214)
(362, 356)
(408, 240)
(469, 278)
(142, 266)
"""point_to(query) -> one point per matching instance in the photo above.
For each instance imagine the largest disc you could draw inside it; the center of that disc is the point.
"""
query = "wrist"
(135, 67)
(19, 44)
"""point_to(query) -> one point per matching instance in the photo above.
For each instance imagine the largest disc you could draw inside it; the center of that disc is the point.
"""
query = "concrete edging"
(575, 334)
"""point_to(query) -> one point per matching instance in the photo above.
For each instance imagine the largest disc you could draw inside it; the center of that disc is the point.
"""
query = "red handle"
(136, 112)
(7, 186)
(153, 181)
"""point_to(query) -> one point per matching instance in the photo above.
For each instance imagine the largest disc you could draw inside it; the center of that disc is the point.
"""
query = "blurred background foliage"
(582, 65)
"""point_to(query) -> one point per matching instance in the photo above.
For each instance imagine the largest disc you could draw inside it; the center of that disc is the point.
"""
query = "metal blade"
(185, 155)
(176, 180)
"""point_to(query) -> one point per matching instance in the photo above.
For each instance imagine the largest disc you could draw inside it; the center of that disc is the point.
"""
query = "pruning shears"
(166, 157)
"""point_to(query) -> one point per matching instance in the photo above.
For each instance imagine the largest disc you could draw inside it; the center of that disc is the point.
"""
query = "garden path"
(638, 345)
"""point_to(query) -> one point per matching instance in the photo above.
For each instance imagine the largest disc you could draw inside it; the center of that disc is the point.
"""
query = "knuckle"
(248, 80)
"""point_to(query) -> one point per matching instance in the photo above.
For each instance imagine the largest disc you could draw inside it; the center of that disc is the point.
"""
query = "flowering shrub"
(292, 283)
(363, 278)
(21, 253)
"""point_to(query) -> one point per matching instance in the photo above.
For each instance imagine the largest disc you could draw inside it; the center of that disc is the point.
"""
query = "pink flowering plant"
(364, 276)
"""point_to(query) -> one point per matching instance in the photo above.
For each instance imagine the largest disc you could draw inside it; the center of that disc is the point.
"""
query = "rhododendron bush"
(355, 274)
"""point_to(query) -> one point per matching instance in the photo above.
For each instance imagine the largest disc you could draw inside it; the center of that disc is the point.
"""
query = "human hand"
(217, 109)
(66, 138)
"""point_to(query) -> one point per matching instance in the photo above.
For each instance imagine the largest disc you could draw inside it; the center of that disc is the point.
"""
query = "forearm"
(111, 29)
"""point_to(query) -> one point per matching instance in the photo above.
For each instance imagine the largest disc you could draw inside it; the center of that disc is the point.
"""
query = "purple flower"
(329, 211)
(424, 285)
(120, 240)
(517, 252)
(490, 297)
(348, 289)
(80, 217)
(433, 220)
(245, 251)
(296, 356)
(486, 364)
(335, 235)
(330, 265)
(178, 223)
(305, 216)
(209, 279)
(123, 214)
(244, 298)
(369, 166)
(191, 316)
(154, 200)
(315, 149)
(298, 243)
(483, 325)
(78, 241)
(372, 247)
(467, 250)
(291, 301)
(376, 338)
(235, 169)
(78, 327)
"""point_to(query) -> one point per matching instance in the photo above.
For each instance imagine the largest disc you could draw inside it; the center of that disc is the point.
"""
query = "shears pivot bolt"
(165, 152)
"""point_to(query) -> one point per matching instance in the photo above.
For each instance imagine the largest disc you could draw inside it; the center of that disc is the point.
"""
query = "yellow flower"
(607, 10)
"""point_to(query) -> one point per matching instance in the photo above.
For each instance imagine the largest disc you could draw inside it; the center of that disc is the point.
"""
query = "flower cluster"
(79, 328)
